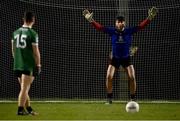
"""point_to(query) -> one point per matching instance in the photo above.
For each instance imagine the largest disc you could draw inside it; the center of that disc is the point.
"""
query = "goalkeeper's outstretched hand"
(88, 16)
(152, 12)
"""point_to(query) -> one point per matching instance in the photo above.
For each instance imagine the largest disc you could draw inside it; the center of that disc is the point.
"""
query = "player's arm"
(37, 59)
(12, 47)
(37, 56)
(152, 12)
(89, 17)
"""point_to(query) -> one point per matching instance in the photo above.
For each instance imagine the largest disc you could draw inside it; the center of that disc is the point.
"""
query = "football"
(132, 107)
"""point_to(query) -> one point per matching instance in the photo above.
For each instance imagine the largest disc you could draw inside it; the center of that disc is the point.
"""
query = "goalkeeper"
(121, 38)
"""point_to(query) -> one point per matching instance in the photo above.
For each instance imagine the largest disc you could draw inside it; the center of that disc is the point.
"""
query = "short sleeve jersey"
(121, 41)
(23, 39)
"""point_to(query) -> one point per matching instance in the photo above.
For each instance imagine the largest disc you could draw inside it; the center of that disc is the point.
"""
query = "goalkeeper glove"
(152, 12)
(88, 16)
(133, 50)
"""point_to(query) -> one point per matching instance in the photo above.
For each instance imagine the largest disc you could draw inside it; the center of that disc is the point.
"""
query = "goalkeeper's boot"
(109, 98)
(109, 101)
(22, 112)
(133, 100)
(31, 111)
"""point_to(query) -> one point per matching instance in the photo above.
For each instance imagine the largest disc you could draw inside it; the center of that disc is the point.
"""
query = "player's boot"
(31, 111)
(22, 112)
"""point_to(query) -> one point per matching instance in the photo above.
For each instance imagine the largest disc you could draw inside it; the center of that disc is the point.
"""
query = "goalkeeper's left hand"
(152, 12)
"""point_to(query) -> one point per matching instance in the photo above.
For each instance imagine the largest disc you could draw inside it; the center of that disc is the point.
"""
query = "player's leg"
(21, 110)
(109, 79)
(132, 80)
(28, 104)
(26, 81)
(114, 64)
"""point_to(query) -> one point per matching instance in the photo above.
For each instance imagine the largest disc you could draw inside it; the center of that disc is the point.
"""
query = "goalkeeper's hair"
(120, 18)
(28, 16)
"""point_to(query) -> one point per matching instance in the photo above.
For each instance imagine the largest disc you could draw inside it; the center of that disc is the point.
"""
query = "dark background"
(75, 55)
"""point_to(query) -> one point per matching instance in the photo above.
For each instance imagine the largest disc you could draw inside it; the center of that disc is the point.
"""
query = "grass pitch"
(93, 111)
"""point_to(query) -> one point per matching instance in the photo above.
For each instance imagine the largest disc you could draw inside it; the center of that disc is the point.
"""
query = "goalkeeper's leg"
(109, 79)
(132, 81)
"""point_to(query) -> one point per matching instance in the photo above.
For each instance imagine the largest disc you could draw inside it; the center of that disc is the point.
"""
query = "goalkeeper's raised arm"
(89, 17)
(152, 12)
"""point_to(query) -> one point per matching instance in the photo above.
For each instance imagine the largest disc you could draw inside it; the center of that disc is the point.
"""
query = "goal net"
(75, 55)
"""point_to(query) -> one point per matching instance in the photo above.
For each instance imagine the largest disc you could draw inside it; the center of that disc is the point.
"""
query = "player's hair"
(120, 18)
(28, 16)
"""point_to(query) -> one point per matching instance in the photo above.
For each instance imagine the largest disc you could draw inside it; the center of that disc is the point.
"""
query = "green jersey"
(23, 39)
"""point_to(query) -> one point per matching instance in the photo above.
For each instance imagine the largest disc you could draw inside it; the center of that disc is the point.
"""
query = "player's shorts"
(18, 73)
(116, 62)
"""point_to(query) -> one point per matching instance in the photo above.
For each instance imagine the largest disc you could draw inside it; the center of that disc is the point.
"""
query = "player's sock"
(21, 111)
(109, 98)
(133, 96)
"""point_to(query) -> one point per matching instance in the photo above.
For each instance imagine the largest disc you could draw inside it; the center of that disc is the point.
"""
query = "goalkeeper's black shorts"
(116, 62)
(18, 73)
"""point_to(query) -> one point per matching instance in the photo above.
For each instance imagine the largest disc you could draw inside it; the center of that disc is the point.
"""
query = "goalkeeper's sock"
(132, 96)
(109, 98)
(109, 95)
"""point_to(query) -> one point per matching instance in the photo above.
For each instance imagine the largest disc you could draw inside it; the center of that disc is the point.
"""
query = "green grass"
(92, 111)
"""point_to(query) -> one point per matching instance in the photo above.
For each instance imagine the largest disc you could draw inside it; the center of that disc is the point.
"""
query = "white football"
(132, 107)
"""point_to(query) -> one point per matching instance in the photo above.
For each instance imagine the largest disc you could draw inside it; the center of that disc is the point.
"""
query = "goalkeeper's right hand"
(152, 12)
(88, 16)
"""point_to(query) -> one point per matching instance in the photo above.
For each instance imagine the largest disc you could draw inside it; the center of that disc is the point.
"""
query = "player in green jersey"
(27, 63)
